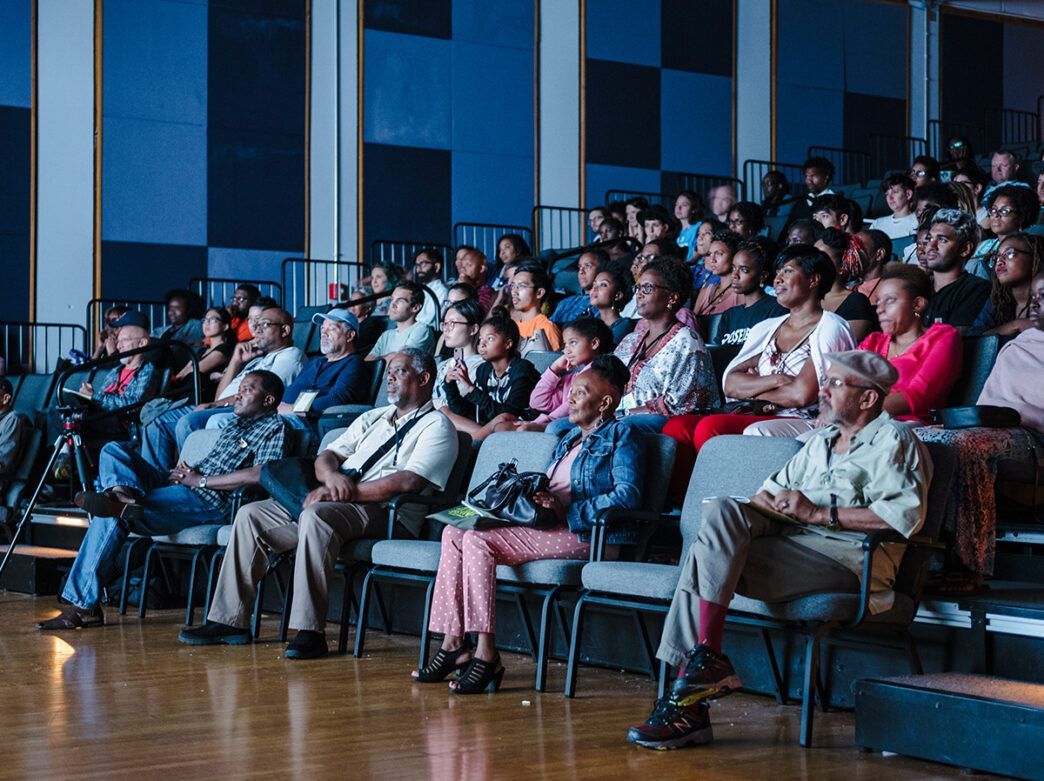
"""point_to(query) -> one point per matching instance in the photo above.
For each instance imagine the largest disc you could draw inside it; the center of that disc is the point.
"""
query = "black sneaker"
(307, 645)
(672, 726)
(213, 633)
(708, 676)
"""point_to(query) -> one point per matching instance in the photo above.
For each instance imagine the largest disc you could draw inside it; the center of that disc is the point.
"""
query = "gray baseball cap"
(339, 316)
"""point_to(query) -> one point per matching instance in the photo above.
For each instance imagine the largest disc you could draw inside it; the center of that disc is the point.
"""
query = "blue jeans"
(165, 436)
(168, 509)
(647, 422)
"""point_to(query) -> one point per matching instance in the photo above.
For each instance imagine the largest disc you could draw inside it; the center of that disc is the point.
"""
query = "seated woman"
(597, 465)
(1011, 208)
(503, 381)
(700, 249)
(383, 278)
(459, 291)
(751, 268)
(716, 297)
(583, 341)
(849, 259)
(512, 250)
(460, 332)
(530, 288)
(609, 294)
(219, 340)
(1018, 260)
(671, 370)
(777, 371)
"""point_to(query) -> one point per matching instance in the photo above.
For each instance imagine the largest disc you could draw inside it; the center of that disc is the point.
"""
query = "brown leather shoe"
(73, 617)
(104, 505)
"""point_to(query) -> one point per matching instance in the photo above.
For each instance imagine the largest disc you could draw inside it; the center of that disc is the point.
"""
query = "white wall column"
(753, 81)
(65, 154)
(559, 110)
(924, 66)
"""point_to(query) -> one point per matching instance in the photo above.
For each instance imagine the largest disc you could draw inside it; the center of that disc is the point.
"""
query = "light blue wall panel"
(624, 31)
(155, 182)
(807, 115)
(407, 90)
(492, 99)
(875, 48)
(15, 63)
(492, 188)
(494, 23)
(810, 43)
(155, 60)
(225, 263)
(696, 122)
(609, 177)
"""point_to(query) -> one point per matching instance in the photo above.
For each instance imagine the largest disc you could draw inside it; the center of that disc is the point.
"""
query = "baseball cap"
(132, 318)
(339, 316)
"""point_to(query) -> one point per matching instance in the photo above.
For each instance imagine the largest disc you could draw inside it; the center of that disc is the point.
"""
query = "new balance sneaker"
(671, 725)
(213, 633)
(708, 675)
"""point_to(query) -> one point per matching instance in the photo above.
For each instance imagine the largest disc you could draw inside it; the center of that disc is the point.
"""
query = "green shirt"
(886, 470)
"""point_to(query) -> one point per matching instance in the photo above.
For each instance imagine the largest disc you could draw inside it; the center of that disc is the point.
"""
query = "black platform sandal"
(441, 665)
(480, 676)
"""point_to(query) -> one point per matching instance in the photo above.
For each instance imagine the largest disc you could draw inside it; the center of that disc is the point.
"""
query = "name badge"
(242, 443)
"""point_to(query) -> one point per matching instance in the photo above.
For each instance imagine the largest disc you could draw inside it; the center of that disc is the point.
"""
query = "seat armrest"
(437, 500)
(606, 519)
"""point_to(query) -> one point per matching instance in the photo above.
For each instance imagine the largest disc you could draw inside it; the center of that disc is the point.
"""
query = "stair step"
(36, 569)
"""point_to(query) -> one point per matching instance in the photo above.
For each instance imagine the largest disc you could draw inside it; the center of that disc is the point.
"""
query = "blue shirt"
(573, 308)
(339, 382)
(701, 275)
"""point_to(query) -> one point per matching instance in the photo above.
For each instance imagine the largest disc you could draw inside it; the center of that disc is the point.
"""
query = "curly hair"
(1002, 299)
(1023, 199)
(751, 213)
(622, 280)
(676, 276)
(728, 238)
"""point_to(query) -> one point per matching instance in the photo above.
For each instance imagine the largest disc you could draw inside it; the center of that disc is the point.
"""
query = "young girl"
(460, 330)
(609, 293)
(502, 383)
(719, 296)
(529, 290)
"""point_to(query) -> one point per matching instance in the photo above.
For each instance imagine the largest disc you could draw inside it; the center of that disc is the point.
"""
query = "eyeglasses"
(647, 288)
(521, 285)
(840, 382)
(240, 298)
(264, 325)
(918, 173)
(448, 325)
(1004, 211)
(422, 264)
(1009, 254)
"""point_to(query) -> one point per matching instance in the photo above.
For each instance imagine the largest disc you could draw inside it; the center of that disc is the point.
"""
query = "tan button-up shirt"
(886, 470)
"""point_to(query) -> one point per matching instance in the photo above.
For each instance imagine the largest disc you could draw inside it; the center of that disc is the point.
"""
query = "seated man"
(134, 379)
(958, 296)
(860, 472)
(239, 307)
(574, 307)
(272, 349)
(406, 447)
(338, 376)
(13, 429)
(427, 271)
(900, 195)
(407, 300)
(142, 499)
(183, 318)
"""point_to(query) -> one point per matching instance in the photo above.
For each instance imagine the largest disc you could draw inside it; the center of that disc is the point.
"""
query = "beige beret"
(868, 366)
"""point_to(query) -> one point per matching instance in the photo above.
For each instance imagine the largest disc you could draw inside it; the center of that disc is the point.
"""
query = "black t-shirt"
(959, 303)
(858, 307)
(736, 322)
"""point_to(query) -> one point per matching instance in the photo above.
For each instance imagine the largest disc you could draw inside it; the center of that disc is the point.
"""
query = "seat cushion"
(206, 534)
(823, 607)
(419, 555)
(224, 535)
(631, 578)
(551, 572)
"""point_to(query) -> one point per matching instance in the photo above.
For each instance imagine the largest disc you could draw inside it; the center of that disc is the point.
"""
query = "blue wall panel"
(407, 90)
(492, 188)
(154, 178)
(696, 122)
(14, 293)
(146, 271)
(15, 44)
(811, 48)
(875, 48)
(624, 31)
(407, 192)
(226, 263)
(432, 18)
(155, 60)
(806, 116)
(601, 178)
(494, 23)
(492, 99)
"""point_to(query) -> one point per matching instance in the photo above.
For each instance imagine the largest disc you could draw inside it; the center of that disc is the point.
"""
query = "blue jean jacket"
(608, 472)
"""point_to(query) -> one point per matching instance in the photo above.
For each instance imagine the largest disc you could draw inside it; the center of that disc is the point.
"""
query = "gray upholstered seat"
(542, 359)
(224, 535)
(419, 555)
(561, 572)
(824, 607)
(632, 578)
(205, 534)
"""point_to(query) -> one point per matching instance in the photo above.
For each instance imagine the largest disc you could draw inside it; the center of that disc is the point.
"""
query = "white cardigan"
(831, 335)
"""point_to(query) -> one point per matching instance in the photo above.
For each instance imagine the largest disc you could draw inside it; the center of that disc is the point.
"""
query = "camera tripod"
(70, 437)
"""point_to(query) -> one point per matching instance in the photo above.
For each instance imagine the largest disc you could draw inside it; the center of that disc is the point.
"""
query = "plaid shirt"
(139, 387)
(242, 444)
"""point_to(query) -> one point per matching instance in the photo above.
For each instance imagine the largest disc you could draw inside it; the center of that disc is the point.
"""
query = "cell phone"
(458, 355)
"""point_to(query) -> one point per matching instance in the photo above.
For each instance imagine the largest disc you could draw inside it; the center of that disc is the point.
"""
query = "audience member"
(105, 340)
(924, 170)
(427, 271)
(1017, 262)
(135, 379)
(618, 211)
(579, 305)
(370, 328)
(775, 192)
(471, 268)
(688, 207)
(976, 181)
(1012, 208)
(596, 466)
(803, 232)
(657, 223)
(239, 307)
(460, 332)
(832, 211)
(958, 296)
(878, 248)
(503, 382)
(720, 200)
(384, 277)
(698, 252)
(610, 293)
(716, 297)
(402, 448)
(219, 340)
(1004, 166)
(611, 228)
(458, 291)
(777, 371)
(1040, 192)
(849, 257)
(1015, 379)
(183, 323)
(746, 219)
(959, 152)
(14, 427)
(137, 497)
(595, 217)
(633, 207)
(530, 289)
(512, 251)
(818, 172)
(751, 268)
(861, 472)
(901, 196)
(406, 302)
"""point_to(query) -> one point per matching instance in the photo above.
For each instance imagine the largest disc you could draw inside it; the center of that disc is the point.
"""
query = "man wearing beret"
(860, 471)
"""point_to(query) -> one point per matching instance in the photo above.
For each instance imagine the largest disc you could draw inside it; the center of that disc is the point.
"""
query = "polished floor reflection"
(128, 701)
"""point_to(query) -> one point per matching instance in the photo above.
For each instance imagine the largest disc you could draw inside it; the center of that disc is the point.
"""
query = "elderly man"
(860, 472)
(1004, 167)
(271, 350)
(407, 300)
(139, 498)
(406, 447)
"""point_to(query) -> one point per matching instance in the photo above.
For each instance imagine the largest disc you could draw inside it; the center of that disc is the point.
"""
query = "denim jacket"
(608, 472)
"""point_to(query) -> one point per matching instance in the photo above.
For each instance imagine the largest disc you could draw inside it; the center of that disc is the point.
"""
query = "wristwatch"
(835, 522)
(203, 483)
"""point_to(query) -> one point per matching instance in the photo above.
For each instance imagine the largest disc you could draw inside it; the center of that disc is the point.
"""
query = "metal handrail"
(28, 344)
(702, 184)
(292, 301)
(200, 284)
(847, 162)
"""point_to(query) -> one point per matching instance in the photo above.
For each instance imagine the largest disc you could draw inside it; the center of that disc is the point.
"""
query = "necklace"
(644, 348)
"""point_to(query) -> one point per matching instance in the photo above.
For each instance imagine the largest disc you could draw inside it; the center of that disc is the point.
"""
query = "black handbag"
(508, 494)
(979, 416)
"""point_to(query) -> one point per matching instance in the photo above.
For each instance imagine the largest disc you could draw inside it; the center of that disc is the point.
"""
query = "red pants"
(691, 432)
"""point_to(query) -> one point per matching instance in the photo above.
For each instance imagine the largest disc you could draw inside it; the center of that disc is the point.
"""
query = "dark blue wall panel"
(623, 133)
(971, 52)
(145, 271)
(697, 35)
(407, 193)
(430, 18)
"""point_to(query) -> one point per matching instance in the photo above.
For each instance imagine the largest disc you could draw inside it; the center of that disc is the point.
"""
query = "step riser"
(34, 575)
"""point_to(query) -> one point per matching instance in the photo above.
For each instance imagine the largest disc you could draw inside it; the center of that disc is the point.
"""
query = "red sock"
(712, 624)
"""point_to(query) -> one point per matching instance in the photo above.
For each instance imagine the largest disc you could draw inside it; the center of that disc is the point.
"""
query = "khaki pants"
(264, 528)
(739, 550)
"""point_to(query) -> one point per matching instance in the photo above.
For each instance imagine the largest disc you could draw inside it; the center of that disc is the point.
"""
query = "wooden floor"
(128, 701)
